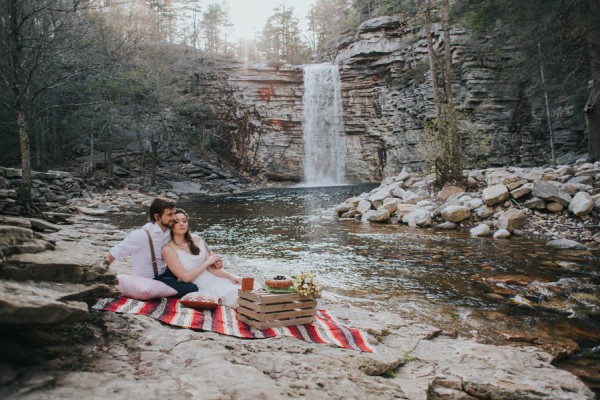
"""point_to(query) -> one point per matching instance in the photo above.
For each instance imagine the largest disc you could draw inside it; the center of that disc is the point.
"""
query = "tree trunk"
(25, 195)
(15, 54)
(592, 106)
(432, 60)
(453, 135)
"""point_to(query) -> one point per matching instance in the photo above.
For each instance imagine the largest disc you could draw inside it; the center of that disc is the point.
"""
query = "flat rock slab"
(29, 303)
(143, 358)
(68, 263)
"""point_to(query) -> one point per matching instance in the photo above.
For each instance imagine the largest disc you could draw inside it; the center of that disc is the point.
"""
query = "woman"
(190, 260)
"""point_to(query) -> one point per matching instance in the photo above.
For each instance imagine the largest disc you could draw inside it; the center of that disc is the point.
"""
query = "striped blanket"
(224, 320)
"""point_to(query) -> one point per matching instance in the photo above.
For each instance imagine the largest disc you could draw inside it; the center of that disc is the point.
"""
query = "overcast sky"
(249, 16)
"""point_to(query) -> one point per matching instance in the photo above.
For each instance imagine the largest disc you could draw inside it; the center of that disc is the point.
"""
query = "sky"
(249, 16)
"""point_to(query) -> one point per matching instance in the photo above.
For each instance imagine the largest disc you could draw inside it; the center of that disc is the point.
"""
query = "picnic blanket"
(224, 320)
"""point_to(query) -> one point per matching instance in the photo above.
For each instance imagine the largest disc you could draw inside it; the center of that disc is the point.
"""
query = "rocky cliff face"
(387, 99)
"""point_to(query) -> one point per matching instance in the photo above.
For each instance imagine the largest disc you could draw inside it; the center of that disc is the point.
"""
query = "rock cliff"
(387, 99)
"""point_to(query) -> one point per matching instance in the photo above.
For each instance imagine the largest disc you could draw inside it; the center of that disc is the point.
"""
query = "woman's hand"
(235, 279)
(214, 261)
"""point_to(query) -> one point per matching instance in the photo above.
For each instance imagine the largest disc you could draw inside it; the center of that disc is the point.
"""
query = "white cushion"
(142, 288)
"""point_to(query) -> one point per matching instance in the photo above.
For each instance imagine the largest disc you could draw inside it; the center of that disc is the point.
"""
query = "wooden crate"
(270, 310)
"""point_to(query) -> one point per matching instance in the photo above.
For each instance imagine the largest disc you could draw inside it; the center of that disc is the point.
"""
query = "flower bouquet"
(307, 285)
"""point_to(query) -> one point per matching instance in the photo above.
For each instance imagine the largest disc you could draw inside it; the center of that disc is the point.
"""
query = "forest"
(81, 76)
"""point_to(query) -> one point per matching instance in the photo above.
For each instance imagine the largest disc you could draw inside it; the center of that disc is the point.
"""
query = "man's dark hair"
(158, 206)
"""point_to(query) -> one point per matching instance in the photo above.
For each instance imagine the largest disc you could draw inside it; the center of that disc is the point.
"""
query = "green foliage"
(441, 148)
(388, 374)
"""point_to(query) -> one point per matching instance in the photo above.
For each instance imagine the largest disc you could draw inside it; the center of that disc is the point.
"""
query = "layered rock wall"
(387, 100)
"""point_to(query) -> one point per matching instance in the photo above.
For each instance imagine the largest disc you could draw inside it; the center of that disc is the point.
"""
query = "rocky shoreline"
(56, 347)
(561, 205)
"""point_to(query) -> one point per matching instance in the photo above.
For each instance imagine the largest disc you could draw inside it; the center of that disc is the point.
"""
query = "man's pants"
(171, 280)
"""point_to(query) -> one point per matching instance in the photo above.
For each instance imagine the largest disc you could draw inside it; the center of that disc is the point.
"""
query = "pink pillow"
(141, 288)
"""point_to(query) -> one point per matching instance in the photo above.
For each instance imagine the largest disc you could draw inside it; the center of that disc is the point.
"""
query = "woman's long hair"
(187, 236)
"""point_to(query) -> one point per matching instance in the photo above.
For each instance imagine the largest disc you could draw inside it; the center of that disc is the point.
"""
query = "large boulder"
(512, 219)
(403, 209)
(379, 196)
(480, 230)
(582, 204)
(363, 206)
(456, 213)
(448, 191)
(566, 244)
(186, 187)
(418, 217)
(495, 194)
(550, 192)
(379, 215)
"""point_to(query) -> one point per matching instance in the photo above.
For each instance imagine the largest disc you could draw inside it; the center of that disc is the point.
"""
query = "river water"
(478, 287)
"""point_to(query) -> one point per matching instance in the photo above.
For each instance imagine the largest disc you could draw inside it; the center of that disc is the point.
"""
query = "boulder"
(448, 191)
(377, 198)
(403, 209)
(555, 207)
(398, 192)
(456, 213)
(343, 208)
(484, 212)
(391, 204)
(186, 187)
(520, 192)
(550, 192)
(566, 244)
(363, 206)
(582, 204)
(516, 184)
(411, 197)
(583, 179)
(480, 230)
(418, 217)
(379, 215)
(447, 225)
(474, 203)
(535, 203)
(512, 219)
(499, 176)
(501, 234)
(495, 194)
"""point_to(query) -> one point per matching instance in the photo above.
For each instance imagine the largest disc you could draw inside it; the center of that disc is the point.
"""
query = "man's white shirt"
(137, 245)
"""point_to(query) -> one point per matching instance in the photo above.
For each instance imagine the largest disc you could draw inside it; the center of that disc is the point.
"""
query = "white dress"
(207, 281)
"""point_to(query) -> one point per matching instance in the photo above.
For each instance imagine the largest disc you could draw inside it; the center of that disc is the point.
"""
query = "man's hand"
(108, 259)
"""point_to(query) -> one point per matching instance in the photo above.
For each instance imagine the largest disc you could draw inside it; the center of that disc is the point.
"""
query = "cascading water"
(323, 126)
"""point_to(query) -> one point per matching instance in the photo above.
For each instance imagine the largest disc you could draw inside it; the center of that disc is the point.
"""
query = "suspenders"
(154, 265)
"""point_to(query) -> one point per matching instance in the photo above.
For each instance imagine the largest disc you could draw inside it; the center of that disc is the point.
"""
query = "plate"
(272, 290)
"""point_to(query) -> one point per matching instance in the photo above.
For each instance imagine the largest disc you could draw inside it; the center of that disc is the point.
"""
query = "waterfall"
(323, 126)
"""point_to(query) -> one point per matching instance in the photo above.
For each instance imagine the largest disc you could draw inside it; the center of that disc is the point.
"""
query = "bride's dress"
(208, 282)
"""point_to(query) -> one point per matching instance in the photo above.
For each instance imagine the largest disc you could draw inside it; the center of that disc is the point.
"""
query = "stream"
(500, 291)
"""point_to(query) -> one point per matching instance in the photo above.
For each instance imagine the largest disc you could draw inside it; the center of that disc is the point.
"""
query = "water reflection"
(433, 276)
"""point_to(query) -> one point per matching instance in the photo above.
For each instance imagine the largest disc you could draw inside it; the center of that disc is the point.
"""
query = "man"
(136, 244)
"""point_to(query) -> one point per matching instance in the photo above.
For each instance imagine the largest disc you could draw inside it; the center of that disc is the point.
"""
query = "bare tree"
(32, 40)
(448, 158)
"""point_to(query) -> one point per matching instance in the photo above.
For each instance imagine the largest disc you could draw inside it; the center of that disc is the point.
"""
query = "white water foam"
(323, 127)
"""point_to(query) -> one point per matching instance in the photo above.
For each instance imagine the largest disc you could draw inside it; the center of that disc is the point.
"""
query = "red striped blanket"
(224, 320)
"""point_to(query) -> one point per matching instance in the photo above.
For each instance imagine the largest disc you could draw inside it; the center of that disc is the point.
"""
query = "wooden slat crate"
(271, 310)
